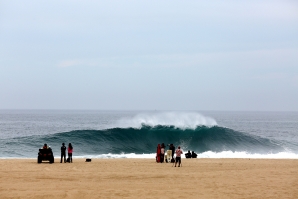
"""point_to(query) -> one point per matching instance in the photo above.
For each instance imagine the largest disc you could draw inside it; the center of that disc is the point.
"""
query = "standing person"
(70, 150)
(172, 147)
(162, 152)
(178, 156)
(158, 153)
(63, 153)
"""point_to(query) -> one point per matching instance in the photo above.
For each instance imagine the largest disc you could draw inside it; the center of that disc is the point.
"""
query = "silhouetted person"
(172, 148)
(63, 153)
(45, 146)
(188, 154)
(193, 154)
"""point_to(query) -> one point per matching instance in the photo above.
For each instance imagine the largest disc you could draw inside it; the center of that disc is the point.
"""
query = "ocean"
(135, 134)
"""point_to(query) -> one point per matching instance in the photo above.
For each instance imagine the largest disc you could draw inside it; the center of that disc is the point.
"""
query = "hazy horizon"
(149, 111)
(149, 55)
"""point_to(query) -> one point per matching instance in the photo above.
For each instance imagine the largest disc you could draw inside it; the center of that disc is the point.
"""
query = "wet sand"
(144, 178)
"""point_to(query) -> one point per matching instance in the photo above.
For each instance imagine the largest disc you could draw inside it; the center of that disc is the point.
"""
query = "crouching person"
(188, 154)
(194, 155)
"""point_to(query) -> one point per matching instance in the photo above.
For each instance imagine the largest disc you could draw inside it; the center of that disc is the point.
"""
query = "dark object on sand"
(194, 155)
(68, 160)
(88, 160)
(188, 154)
(45, 154)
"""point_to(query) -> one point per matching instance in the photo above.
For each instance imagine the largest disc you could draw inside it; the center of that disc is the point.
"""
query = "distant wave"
(145, 139)
(138, 136)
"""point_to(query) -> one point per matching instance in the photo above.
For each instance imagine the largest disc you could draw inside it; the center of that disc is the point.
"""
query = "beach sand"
(144, 178)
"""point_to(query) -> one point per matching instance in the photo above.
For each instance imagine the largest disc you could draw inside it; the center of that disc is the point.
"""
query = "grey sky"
(149, 55)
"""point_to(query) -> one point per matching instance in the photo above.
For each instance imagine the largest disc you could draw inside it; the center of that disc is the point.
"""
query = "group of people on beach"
(160, 154)
(63, 152)
(191, 154)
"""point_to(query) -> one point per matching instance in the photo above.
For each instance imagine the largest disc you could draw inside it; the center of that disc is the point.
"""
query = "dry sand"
(144, 178)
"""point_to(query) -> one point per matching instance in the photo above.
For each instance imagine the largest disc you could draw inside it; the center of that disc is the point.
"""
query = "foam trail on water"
(122, 155)
(182, 120)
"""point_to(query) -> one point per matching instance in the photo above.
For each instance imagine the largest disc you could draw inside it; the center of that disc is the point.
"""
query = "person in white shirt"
(162, 152)
(178, 156)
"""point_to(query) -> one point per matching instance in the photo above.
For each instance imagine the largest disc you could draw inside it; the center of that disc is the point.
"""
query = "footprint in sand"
(47, 169)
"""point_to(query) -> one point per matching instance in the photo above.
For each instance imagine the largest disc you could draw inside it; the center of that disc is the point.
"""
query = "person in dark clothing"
(63, 153)
(172, 148)
(173, 151)
(193, 154)
(188, 154)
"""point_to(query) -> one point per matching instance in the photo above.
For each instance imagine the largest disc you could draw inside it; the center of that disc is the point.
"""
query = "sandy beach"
(144, 178)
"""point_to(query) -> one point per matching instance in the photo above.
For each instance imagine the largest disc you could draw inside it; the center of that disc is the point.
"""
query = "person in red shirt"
(70, 150)
(158, 153)
(178, 156)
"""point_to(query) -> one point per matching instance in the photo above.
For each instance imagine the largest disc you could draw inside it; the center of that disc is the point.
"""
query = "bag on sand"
(68, 159)
(172, 160)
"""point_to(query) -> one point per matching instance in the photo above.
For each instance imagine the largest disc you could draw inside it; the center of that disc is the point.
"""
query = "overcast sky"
(149, 55)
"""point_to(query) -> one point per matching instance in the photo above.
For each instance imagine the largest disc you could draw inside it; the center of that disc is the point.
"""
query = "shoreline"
(152, 156)
(80, 158)
(135, 178)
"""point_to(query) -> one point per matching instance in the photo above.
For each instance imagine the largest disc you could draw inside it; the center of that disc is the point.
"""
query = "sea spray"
(182, 120)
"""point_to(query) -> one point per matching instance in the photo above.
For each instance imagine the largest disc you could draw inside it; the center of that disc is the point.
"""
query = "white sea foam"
(243, 154)
(183, 120)
(208, 154)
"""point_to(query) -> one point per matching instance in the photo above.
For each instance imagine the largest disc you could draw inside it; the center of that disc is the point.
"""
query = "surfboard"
(169, 155)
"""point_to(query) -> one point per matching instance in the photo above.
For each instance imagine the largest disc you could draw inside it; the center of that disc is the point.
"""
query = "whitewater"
(135, 134)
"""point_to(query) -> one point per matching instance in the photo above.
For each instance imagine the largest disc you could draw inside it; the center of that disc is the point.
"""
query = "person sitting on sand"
(178, 156)
(188, 154)
(193, 154)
